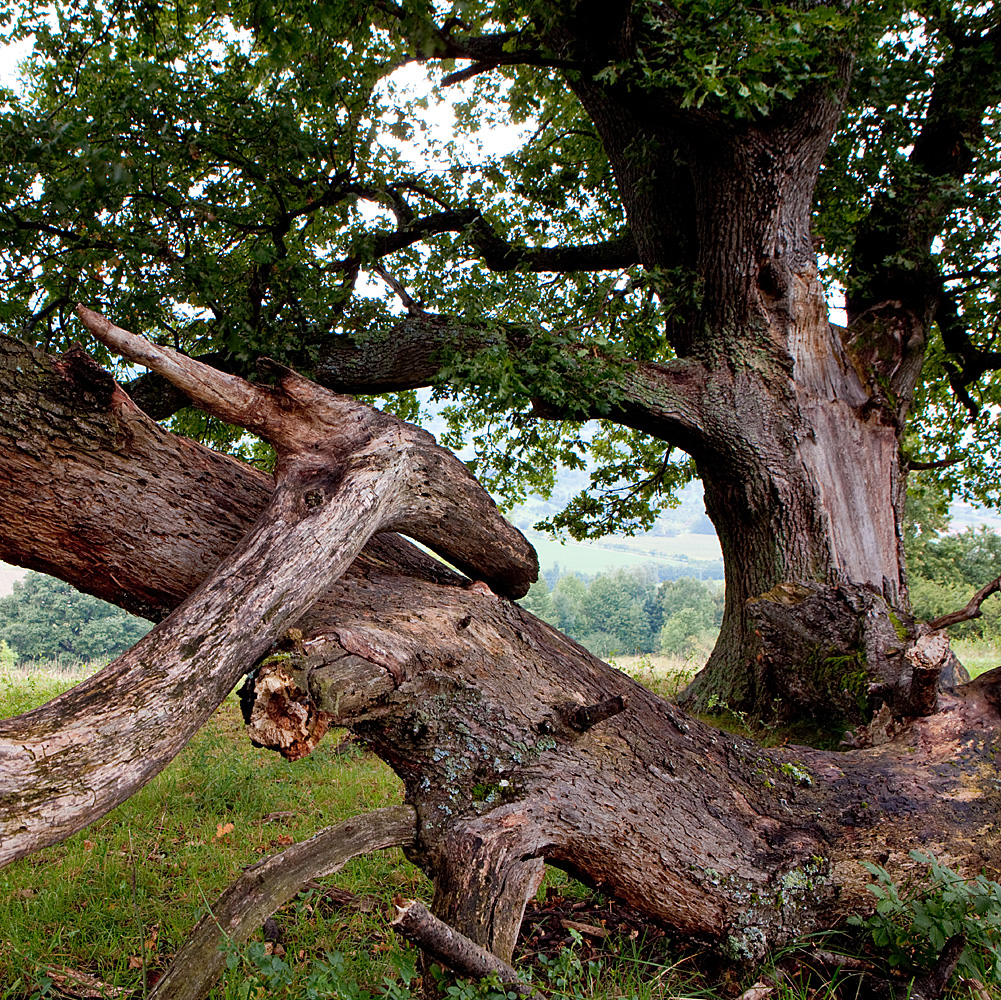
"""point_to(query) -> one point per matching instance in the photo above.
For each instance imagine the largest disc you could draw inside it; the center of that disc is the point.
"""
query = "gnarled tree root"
(261, 890)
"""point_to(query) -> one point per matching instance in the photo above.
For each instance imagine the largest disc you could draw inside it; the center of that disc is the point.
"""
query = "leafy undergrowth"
(117, 900)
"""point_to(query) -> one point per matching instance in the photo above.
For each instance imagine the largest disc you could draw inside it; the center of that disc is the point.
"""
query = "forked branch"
(319, 435)
(969, 612)
(345, 472)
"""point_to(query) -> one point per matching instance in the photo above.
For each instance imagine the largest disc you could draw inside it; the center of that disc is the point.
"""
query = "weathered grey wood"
(265, 887)
(318, 434)
(345, 472)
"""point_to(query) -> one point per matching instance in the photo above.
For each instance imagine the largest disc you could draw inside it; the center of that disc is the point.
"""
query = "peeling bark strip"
(702, 830)
(266, 887)
(345, 472)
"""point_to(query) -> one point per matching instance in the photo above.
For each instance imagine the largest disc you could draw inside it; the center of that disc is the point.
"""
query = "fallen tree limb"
(345, 472)
(319, 434)
(263, 889)
(466, 696)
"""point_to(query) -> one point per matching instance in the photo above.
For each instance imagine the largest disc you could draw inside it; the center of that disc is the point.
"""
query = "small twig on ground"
(446, 945)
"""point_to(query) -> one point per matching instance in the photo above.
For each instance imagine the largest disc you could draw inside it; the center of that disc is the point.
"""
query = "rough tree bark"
(795, 425)
(478, 706)
(344, 473)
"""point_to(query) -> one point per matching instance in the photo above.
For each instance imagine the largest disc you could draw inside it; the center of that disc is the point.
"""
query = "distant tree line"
(44, 619)
(680, 566)
(631, 611)
(627, 611)
(636, 610)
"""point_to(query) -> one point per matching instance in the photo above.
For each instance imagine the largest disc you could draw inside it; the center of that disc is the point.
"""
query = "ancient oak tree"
(691, 183)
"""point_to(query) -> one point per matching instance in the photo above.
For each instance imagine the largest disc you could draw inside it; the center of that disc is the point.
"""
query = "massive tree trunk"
(794, 423)
(515, 746)
(805, 490)
(798, 437)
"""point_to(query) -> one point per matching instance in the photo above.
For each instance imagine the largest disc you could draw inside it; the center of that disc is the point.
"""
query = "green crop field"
(591, 558)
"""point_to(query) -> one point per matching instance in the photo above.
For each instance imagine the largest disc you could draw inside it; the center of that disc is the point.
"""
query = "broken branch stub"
(318, 434)
(446, 945)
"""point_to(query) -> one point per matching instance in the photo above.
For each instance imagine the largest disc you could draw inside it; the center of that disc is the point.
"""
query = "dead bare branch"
(261, 890)
(345, 472)
(968, 613)
(446, 945)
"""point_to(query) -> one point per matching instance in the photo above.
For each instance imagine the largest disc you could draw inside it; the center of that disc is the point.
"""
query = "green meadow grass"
(129, 888)
(977, 657)
(145, 872)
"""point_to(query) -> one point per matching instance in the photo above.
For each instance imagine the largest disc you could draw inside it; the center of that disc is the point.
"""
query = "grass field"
(977, 656)
(138, 879)
(590, 558)
(125, 892)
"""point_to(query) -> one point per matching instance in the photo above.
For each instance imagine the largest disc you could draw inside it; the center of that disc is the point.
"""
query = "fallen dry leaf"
(758, 991)
(222, 829)
(573, 925)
